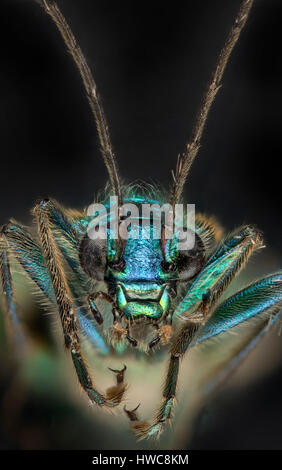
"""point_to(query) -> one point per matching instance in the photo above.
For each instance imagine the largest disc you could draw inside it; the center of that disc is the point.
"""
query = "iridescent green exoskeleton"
(159, 297)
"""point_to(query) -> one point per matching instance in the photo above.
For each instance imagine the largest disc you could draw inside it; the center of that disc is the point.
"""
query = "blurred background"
(151, 62)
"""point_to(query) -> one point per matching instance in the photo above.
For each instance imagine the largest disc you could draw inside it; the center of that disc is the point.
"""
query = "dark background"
(151, 63)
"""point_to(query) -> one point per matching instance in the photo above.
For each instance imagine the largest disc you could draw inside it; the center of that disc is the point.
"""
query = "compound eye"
(168, 267)
(93, 257)
(187, 263)
(118, 265)
(191, 262)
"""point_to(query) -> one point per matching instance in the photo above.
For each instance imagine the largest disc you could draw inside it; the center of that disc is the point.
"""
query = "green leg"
(14, 327)
(263, 297)
(67, 311)
(218, 273)
(199, 308)
(29, 255)
(260, 301)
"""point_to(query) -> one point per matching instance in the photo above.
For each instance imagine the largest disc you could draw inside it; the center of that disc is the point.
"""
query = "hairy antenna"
(91, 89)
(185, 161)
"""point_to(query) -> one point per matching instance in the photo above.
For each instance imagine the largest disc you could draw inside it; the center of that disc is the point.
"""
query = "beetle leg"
(13, 325)
(261, 300)
(67, 309)
(119, 373)
(148, 429)
(28, 254)
(263, 296)
(115, 390)
(217, 274)
(132, 415)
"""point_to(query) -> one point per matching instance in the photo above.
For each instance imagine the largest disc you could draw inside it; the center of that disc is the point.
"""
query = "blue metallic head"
(141, 289)
(140, 271)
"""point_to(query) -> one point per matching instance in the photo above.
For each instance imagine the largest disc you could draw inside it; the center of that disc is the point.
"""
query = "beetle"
(159, 296)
